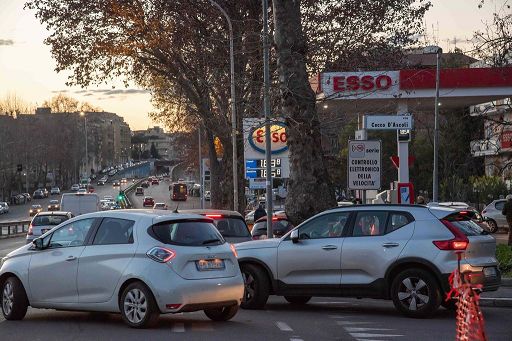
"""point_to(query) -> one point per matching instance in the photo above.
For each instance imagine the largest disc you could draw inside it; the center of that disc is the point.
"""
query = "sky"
(27, 68)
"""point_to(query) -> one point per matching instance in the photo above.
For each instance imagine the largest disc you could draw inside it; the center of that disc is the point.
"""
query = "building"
(142, 140)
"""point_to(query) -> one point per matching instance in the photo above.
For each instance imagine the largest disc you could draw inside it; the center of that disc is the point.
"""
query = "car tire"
(493, 227)
(298, 300)
(416, 293)
(221, 314)
(138, 306)
(13, 299)
(256, 287)
(450, 304)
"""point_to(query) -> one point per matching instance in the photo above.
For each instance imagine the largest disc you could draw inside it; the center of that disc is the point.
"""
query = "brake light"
(233, 249)
(275, 219)
(463, 212)
(458, 243)
(30, 231)
(161, 254)
(214, 215)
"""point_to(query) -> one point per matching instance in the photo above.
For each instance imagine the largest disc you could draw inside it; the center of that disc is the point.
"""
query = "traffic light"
(120, 196)
(19, 167)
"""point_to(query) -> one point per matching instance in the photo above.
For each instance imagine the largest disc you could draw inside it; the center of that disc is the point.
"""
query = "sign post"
(364, 164)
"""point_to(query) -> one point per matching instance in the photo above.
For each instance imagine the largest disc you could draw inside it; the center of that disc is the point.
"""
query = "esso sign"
(365, 83)
(278, 138)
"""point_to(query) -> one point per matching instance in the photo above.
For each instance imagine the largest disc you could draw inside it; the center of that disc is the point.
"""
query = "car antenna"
(176, 210)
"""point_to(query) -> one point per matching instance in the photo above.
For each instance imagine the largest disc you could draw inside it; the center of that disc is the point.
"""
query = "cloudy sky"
(27, 69)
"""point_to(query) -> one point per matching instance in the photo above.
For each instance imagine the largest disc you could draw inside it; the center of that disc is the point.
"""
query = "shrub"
(504, 255)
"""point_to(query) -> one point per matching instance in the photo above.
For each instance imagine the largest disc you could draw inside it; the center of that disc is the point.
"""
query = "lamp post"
(85, 134)
(233, 105)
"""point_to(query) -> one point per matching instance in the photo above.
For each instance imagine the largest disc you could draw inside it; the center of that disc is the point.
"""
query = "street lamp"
(233, 106)
(85, 134)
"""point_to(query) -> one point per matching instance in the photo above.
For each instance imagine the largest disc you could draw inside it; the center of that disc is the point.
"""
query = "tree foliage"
(64, 103)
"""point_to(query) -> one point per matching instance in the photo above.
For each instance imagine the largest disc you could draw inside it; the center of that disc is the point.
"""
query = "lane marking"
(347, 323)
(340, 316)
(358, 329)
(178, 327)
(295, 339)
(365, 335)
(283, 326)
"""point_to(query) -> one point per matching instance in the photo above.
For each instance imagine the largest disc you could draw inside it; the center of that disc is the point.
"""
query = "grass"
(504, 255)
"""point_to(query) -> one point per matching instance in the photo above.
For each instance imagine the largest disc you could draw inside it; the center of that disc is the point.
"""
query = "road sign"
(364, 164)
(388, 122)
(259, 183)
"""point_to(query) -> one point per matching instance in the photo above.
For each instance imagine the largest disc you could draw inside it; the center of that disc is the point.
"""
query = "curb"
(506, 282)
(496, 302)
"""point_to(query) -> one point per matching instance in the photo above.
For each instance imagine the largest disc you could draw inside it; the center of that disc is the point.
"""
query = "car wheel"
(450, 304)
(297, 299)
(256, 287)
(138, 307)
(493, 227)
(415, 293)
(14, 299)
(221, 314)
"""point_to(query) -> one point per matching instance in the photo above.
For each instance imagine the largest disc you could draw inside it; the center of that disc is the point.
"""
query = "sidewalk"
(500, 298)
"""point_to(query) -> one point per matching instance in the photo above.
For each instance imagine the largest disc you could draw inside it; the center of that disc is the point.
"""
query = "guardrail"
(129, 189)
(13, 228)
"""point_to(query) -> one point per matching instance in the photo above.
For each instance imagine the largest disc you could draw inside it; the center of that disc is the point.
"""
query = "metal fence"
(14, 228)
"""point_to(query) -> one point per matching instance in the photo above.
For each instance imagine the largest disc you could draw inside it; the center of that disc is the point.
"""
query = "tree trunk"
(309, 188)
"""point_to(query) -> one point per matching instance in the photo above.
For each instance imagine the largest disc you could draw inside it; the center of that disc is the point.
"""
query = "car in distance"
(4, 207)
(151, 264)
(81, 191)
(44, 222)
(75, 187)
(101, 182)
(34, 209)
(54, 205)
(148, 202)
(207, 196)
(280, 226)
(145, 184)
(116, 183)
(154, 181)
(493, 216)
(139, 191)
(404, 253)
(54, 190)
(160, 206)
(124, 180)
(38, 194)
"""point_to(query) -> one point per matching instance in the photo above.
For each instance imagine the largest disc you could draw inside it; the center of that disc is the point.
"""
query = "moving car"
(230, 224)
(101, 182)
(78, 203)
(38, 194)
(124, 180)
(75, 187)
(139, 191)
(54, 205)
(145, 184)
(55, 190)
(148, 202)
(44, 222)
(154, 181)
(27, 196)
(280, 226)
(116, 183)
(34, 209)
(150, 264)
(493, 217)
(160, 206)
(82, 191)
(404, 253)
(4, 207)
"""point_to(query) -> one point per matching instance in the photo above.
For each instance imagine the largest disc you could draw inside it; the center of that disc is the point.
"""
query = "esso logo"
(278, 138)
(358, 147)
(365, 83)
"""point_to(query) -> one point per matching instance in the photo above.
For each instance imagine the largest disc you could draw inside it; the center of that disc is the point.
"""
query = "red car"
(148, 201)
(154, 181)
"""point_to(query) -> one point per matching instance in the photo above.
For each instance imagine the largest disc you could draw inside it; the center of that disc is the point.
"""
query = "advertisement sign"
(388, 122)
(506, 139)
(349, 85)
(364, 164)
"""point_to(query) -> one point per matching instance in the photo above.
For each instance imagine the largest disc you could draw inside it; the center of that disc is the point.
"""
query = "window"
(397, 220)
(114, 231)
(370, 223)
(326, 226)
(187, 233)
(72, 234)
(44, 220)
(232, 227)
(499, 205)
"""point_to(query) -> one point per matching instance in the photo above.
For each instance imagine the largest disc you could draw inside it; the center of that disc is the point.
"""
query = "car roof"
(212, 211)
(53, 213)
(156, 215)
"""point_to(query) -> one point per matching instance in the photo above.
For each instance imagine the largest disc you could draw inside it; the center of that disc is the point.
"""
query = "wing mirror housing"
(294, 236)
(38, 243)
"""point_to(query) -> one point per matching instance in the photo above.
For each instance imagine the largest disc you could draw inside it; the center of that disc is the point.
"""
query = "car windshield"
(44, 220)
(186, 233)
(53, 202)
(36, 206)
(231, 227)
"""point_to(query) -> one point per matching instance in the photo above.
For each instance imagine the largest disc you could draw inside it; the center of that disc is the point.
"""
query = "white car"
(75, 187)
(55, 190)
(207, 195)
(4, 207)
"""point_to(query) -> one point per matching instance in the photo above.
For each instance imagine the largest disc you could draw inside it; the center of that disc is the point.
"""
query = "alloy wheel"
(7, 298)
(413, 293)
(250, 286)
(135, 306)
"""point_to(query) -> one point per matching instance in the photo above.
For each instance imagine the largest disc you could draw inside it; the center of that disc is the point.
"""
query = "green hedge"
(504, 255)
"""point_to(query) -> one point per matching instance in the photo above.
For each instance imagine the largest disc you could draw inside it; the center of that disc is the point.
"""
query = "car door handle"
(390, 244)
(70, 258)
(329, 247)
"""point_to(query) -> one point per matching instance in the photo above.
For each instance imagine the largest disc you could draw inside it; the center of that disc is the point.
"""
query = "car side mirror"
(38, 243)
(294, 236)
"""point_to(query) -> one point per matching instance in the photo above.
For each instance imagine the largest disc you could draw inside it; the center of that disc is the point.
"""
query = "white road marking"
(340, 316)
(347, 323)
(296, 339)
(357, 329)
(283, 326)
(178, 328)
(365, 335)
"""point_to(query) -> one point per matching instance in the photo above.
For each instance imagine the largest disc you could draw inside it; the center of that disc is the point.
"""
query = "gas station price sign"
(257, 168)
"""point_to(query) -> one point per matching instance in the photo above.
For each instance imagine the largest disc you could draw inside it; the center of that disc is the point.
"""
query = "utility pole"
(266, 108)
(201, 181)
(435, 176)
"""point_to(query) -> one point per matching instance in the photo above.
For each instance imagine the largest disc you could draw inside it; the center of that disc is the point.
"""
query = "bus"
(178, 191)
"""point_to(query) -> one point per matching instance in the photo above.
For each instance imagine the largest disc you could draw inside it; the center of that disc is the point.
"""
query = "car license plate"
(210, 264)
(490, 272)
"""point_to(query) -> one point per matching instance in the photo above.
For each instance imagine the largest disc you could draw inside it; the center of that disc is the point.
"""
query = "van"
(78, 203)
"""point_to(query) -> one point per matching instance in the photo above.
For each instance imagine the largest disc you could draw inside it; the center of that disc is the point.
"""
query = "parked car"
(160, 206)
(75, 187)
(27, 196)
(34, 209)
(54, 205)
(148, 202)
(44, 222)
(45, 192)
(55, 190)
(4, 207)
(493, 216)
(404, 253)
(38, 194)
(280, 226)
(139, 191)
(135, 277)
(207, 196)
(230, 224)
(18, 199)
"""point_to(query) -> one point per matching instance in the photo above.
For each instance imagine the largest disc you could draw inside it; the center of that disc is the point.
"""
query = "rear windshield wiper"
(209, 241)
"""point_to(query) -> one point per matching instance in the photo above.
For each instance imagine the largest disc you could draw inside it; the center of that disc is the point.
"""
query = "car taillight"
(161, 254)
(233, 249)
(458, 243)
(213, 215)
(30, 232)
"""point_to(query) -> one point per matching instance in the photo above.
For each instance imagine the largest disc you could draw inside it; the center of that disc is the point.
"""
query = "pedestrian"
(260, 212)
(420, 200)
(507, 212)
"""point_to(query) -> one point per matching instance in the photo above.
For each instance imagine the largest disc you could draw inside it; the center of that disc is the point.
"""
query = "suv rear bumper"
(477, 277)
